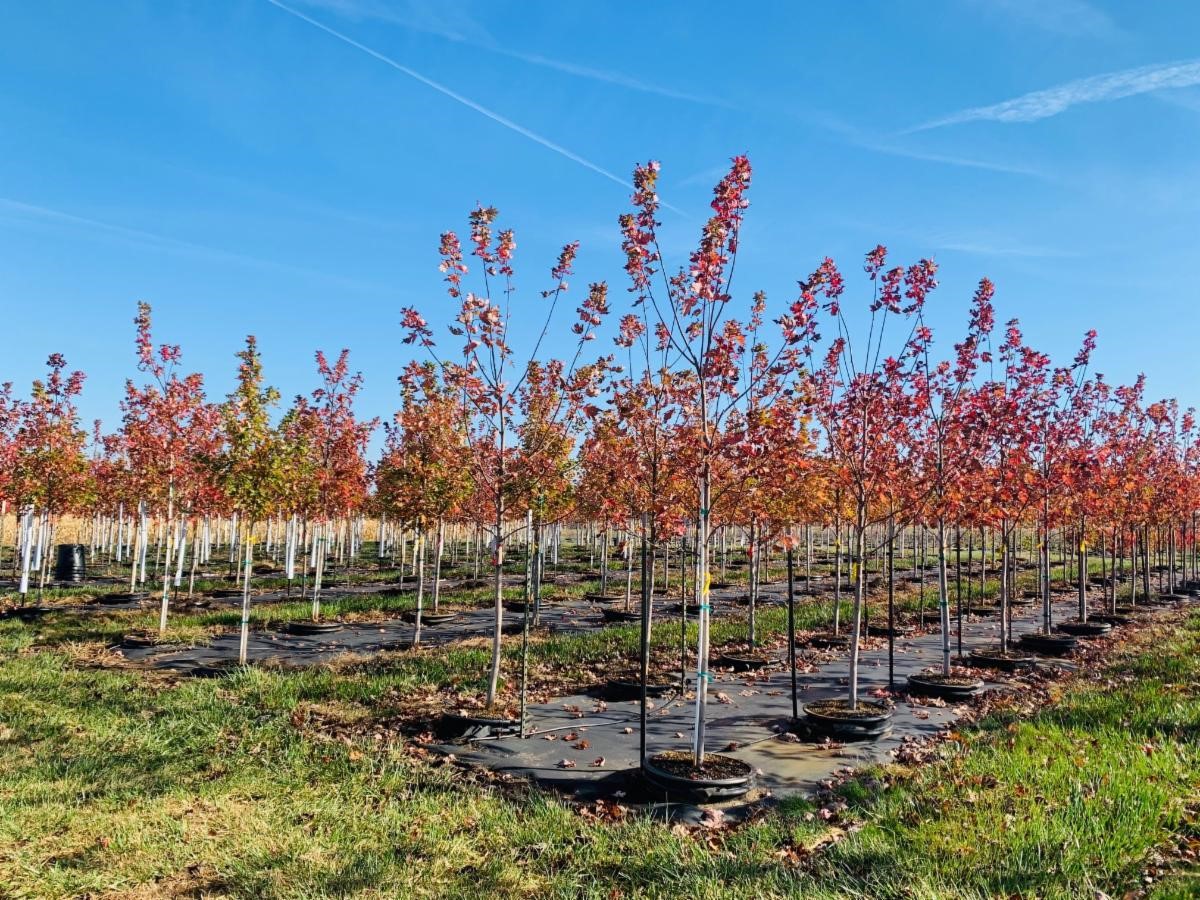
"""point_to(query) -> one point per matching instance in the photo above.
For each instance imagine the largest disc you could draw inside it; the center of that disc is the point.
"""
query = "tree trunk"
(244, 637)
(860, 534)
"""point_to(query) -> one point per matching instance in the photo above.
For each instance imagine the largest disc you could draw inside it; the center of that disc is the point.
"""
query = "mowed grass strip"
(115, 785)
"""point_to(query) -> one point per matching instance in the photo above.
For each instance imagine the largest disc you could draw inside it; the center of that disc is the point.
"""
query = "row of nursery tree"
(706, 413)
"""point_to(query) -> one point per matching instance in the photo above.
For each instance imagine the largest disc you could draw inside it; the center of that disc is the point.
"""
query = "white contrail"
(1052, 101)
(616, 78)
(454, 95)
(434, 22)
(25, 210)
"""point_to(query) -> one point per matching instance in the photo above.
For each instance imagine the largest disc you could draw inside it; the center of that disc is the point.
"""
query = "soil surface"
(1012, 655)
(950, 680)
(840, 709)
(715, 767)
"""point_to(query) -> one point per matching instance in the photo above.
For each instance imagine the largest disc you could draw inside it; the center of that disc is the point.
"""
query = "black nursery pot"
(622, 689)
(602, 598)
(69, 563)
(1049, 644)
(1111, 618)
(1089, 629)
(719, 778)
(827, 641)
(312, 627)
(692, 609)
(834, 719)
(118, 598)
(461, 723)
(898, 630)
(952, 687)
(1173, 598)
(620, 615)
(745, 662)
(1007, 661)
(428, 618)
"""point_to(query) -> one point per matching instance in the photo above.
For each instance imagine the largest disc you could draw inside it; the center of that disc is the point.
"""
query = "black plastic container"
(70, 562)
(697, 788)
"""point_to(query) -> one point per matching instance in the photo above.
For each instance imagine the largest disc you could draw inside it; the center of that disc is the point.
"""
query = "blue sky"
(246, 171)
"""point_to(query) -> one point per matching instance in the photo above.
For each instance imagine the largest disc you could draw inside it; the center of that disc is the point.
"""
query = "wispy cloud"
(839, 129)
(987, 243)
(614, 78)
(1043, 104)
(465, 101)
(447, 20)
(946, 159)
(1068, 18)
(1184, 99)
(707, 177)
(995, 247)
(20, 212)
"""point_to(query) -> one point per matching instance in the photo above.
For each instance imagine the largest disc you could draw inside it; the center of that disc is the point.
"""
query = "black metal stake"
(791, 594)
(892, 602)
(958, 582)
(645, 638)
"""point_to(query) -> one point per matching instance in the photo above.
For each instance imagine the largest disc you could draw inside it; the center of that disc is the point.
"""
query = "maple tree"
(944, 452)
(326, 478)
(860, 398)
(490, 377)
(168, 431)
(688, 315)
(49, 473)
(420, 478)
(249, 465)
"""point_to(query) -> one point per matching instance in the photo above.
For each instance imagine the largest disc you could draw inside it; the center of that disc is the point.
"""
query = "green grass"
(386, 683)
(1061, 805)
(112, 784)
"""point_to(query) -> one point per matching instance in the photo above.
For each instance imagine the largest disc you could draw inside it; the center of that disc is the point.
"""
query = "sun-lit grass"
(114, 783)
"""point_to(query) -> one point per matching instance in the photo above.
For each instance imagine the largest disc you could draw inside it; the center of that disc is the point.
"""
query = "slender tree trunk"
(647, 538)
(1082, 575)
(943, 594)
(437, 564)
(791, 625)
(702, 665)
(860, 532)
(497, 583)
(1005, 572)
(419, 565)
(166, 582)
(891, 591)
(244, 637)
